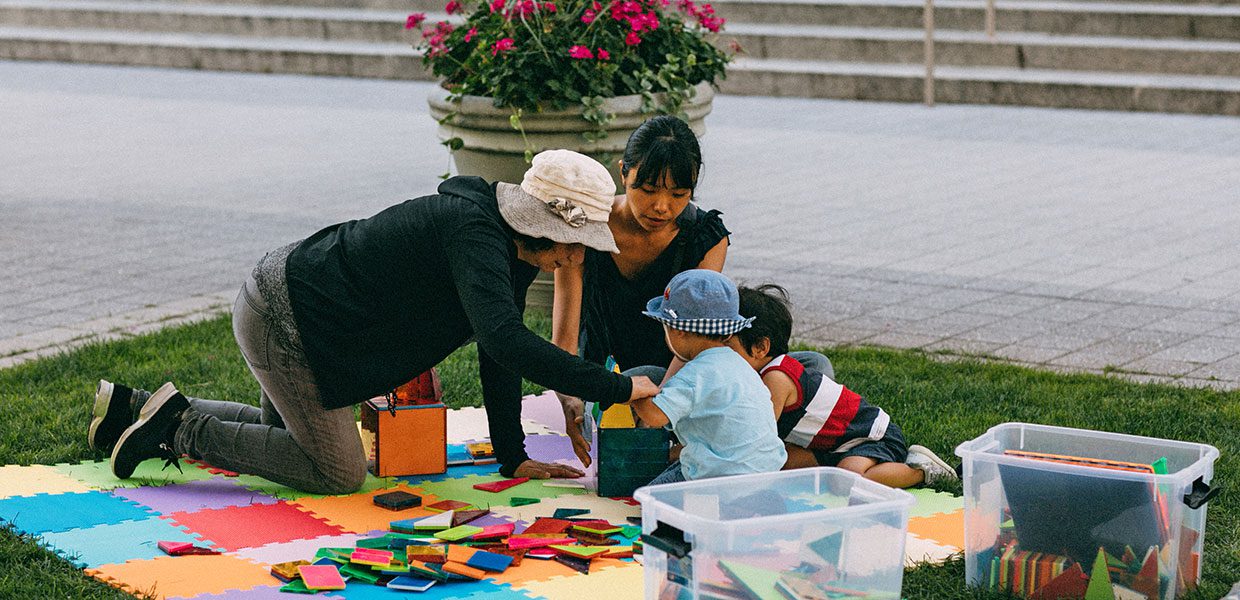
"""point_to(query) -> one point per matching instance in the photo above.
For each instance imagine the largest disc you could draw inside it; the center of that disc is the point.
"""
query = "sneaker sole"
(153, 404)
(934, 458)
(103, 399)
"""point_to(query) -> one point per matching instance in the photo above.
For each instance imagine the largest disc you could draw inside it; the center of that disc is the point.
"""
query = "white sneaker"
(935, 468)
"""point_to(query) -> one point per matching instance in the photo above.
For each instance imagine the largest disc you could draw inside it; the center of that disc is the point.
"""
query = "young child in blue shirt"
(716, 403)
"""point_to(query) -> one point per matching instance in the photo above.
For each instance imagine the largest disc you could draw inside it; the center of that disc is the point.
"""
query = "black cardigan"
(380, 300)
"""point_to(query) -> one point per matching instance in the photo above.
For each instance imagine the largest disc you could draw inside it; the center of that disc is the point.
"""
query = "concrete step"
(986, 85)
(777, 41)
(213, 52)
(1138, 19)
(1006, 49)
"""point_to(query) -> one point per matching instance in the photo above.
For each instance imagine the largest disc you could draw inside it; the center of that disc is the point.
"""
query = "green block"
(630, 458)
(360, 573)
(459, 532)
(297, 586)
(374, 543)
(519, 501)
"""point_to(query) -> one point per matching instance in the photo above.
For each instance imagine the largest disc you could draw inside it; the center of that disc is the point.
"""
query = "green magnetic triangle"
(1100, 580)
(519, 501)
(297, 586)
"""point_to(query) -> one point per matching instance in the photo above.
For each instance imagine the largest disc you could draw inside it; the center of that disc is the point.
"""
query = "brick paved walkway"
(1076, 240)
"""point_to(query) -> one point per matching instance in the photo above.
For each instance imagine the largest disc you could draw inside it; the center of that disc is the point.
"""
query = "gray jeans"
(291, 439)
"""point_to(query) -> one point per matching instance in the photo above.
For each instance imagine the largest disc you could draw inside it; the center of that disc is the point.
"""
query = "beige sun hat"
(565, 197)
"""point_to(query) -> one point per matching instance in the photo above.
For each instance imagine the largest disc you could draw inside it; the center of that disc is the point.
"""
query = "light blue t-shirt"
(721, 411)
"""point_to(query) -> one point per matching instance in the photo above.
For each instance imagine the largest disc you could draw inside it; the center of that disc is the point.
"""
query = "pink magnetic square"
(321, 577)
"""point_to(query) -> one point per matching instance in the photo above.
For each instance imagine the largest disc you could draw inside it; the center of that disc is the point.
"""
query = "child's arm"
(650, 414)
(783, 390)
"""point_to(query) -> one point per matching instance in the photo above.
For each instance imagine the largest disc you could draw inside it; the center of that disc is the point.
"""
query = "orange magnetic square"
(413, 441)
(460, 554)
(466, 570)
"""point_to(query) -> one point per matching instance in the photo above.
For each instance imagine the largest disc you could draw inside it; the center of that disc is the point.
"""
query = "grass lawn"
(46, 407)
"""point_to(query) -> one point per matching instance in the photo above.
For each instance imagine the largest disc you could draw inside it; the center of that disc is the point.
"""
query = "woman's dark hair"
(533, 244)
(663, 145)
(769, 303)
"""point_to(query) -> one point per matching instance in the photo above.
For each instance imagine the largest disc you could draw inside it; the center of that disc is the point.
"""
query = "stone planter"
(495, 151)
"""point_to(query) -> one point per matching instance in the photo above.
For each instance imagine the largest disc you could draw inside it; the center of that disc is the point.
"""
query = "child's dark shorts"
(890, 449)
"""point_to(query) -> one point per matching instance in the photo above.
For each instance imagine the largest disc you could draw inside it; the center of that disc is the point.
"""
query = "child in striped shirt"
(823, 422)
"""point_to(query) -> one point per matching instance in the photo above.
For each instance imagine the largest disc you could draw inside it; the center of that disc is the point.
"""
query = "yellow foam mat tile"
(358, 514)
(17, 480)
(181, 576)
(946, 529)
(615, 583)
(613, 511)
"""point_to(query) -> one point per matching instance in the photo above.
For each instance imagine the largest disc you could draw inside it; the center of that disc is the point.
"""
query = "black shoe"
(113, 413)
(151, 435)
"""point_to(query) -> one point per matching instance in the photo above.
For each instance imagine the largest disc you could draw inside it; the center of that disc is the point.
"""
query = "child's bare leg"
(799, 458)
(896, 475)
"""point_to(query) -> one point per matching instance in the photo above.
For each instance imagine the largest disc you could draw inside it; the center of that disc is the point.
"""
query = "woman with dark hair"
(362, 307)
(660, 232)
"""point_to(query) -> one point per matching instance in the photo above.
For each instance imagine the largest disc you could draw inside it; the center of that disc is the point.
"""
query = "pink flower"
(621, 10)
(603, 54)
(414, 20)
(503, 45)
(453, 7)
(549, 6)
(525, 8)
(580, 52)
(498, 5)
(589, 16)
(643, 22)
(469, 35)
(436, 38)
(632, 39)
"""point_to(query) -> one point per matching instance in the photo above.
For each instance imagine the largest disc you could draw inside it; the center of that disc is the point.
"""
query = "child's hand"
(643, 388)
(574, 410)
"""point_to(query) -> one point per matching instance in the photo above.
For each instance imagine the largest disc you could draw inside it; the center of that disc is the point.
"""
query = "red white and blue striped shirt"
(826, 415)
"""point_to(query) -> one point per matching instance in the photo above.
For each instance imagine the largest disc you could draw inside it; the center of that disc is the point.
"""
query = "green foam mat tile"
(463, 489)
(98, 474)
(930, 502)
(258, 484)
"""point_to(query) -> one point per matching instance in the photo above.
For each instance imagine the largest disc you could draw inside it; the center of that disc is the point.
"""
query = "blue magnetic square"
(409, 584)
(489, 561)
(43, 513)
(119, 542)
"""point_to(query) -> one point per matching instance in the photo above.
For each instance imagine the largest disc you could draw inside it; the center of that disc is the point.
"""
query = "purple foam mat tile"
(545, 409)
(258, 593)
(552, 448)
(301, 549)
(193, 496)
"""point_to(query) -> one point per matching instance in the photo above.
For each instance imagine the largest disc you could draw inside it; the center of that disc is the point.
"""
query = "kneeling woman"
(361, 307)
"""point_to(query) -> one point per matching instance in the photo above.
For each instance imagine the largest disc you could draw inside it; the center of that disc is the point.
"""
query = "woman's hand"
(540, 470)
(643, 388)
(574, 416)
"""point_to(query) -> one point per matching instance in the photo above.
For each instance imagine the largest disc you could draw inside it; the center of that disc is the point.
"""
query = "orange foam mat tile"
(918, 551)
(18, 480)
(357, 513)
(533, 570)
(946, 529)
(614, 583)
(182, 576)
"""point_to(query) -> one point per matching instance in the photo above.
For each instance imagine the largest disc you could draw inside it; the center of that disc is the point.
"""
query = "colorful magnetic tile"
(577, 564)
(376, 558)
(536, 541)
(117, 543)
(542, 553)
(178, 576)
(297, 586)
(460, 554)
(359, 573)
(466, 570)
(434, 522)
(61, 512)
(490, 561)
(604, 531)
(458, 533)
(172, 548)
(586, 552)
(448, 505)
(462, 489)
(321, 578)
(240, 527)
(409, 584)
(461, 517)
(519, 501)
(287, 571)
(499, 486)
(491, 532)
(428, 554)
(481, 449)
(548, 525)
(194, 496)
(299, 549)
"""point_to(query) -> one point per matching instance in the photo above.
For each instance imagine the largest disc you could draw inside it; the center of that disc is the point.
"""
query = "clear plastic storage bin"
(1053, 512)
(807, 533)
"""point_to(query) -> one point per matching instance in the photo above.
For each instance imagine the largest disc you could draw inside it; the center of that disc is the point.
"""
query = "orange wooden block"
(466, 570)
(413, 441)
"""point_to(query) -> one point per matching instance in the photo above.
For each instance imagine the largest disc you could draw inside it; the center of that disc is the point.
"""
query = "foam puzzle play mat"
(467, 533)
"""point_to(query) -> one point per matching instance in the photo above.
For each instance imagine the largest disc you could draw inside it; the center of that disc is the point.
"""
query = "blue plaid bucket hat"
(699, 301)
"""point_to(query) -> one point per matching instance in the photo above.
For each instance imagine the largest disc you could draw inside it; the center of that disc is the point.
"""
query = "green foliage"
(537, 56)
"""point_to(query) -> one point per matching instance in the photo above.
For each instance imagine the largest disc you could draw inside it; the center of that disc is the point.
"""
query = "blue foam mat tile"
(44, 513)
(452, 473)
(118, 542)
